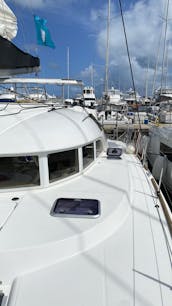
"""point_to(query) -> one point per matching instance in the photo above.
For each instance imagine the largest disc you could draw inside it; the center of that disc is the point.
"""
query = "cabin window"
(19, 171)
(67, 207)
(62, 164)
(88, 154)
(166, 150)
(99, 147)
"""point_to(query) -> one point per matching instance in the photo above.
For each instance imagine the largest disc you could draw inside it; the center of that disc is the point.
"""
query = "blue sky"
(80, 25)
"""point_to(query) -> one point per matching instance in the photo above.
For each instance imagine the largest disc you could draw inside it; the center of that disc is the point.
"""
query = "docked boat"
(132, 98)
(81, 221)
(89, 97)
(159, 154)
(112, 96)
(163, 94)
(8, 96)
(165, 112)
(115, 109)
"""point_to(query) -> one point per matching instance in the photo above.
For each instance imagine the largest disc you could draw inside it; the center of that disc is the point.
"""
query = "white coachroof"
(120, 258)
(24, 130)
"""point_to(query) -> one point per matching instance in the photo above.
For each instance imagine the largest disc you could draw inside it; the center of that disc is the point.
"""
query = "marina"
(85, 181)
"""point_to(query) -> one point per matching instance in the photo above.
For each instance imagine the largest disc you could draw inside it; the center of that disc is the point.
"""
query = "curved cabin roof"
(35, 130)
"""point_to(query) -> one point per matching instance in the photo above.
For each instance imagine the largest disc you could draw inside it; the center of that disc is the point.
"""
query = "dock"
(121, 128)
(110, 127)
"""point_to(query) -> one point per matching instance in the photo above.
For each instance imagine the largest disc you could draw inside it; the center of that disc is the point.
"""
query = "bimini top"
(43, 129)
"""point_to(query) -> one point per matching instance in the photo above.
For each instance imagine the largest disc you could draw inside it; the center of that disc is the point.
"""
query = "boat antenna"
(129, 59)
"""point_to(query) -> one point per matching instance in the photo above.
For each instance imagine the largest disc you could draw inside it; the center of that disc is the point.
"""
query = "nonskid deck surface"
(120, 257)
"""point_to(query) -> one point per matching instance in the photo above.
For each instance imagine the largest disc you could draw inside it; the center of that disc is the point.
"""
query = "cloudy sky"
(80, 26)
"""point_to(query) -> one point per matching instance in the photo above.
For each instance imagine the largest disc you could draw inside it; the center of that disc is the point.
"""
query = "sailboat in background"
(82, 222)
(13, 60)
(115, 108)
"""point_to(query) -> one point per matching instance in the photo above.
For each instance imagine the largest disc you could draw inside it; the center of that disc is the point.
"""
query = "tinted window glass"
(99, 147)
(63, 164)
(88, 154)
(19, 171)
(76, 207)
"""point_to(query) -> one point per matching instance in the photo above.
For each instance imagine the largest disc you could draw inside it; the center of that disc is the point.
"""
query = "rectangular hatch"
(76, 207)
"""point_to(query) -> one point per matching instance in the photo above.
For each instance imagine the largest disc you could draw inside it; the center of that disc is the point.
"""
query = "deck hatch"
(114, 152)
(76, 207)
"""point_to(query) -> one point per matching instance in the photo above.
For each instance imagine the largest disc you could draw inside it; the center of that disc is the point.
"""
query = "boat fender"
(130, 149)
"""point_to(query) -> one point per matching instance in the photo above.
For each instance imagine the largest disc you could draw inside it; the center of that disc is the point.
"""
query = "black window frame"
(87, 208)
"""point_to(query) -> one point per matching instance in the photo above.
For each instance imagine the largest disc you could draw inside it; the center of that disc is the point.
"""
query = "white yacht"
(115, 109)
(159, 154)
(7, 97)
(165, 112)
(81, 221)
(113, 96)
(89, 98)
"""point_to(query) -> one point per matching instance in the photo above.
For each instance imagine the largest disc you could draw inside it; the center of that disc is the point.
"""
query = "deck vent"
(71, 207)
(114, 152)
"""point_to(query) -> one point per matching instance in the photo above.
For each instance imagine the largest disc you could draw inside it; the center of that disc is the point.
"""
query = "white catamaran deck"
(114, 259)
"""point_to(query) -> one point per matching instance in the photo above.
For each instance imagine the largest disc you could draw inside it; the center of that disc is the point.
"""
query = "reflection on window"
(63, 164)
(88, 154)
(99, 147)
(19, 171)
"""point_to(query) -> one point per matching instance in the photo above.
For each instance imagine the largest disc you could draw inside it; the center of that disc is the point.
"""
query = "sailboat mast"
(146, 80)
(164, 47)
(92, 75)
(107, 47)
(68, 71)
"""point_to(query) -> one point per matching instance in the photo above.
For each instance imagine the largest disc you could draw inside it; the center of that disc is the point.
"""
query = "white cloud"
(143, 21)
(88, 71)
(43, 3)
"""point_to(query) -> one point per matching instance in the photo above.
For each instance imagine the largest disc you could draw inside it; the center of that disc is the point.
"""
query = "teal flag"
(43, 34)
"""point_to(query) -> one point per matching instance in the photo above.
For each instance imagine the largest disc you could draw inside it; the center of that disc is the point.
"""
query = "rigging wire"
(51, 108)
(129, 59)
(23, 95)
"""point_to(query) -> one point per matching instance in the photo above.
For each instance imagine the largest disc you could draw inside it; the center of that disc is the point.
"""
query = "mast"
(146, 80)
(68, 71)
(107, 48)
(92, 75)
(165, 46)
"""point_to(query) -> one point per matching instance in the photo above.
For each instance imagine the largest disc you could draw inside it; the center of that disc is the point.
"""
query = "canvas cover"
(8, 22)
